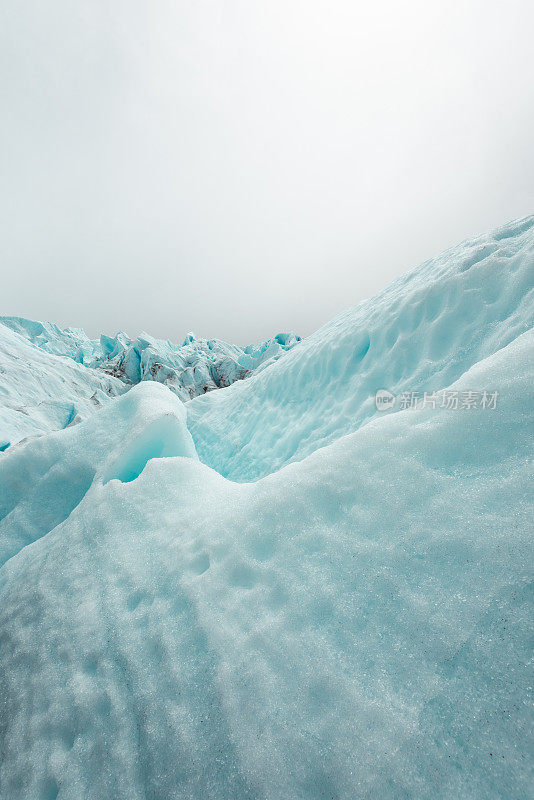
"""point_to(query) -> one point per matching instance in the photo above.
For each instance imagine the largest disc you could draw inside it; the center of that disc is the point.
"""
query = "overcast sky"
(242, 167)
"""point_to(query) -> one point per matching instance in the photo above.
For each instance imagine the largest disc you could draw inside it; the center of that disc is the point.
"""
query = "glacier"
(41, 391)
(277, 589)
(192, 368)
(420, 334)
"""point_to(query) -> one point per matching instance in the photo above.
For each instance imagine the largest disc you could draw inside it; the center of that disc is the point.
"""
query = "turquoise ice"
(278, 591)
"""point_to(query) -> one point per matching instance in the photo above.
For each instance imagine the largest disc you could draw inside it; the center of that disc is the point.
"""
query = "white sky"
(239, 168)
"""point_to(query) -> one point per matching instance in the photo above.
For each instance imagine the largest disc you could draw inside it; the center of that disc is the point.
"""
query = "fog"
(240, 168)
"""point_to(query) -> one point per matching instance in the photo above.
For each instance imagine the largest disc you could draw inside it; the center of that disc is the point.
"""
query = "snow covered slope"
(420, 334)
(350, 618)
(71, 342)
(40, 391)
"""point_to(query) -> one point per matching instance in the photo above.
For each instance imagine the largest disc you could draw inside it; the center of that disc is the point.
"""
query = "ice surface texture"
(355, 624)
(196, 367)
(45, 478)
(422, 333)
(192, 368)
(42, 391)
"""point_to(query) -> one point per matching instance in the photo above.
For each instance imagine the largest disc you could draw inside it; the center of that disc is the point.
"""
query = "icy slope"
(45, 478)
(420, 334)
(71, 342)
(192, 368)
(353, 626)
(41, 391)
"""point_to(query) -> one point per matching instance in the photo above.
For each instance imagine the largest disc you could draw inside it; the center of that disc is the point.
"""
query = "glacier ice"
(43, 390)
(71, 342)
(196, 367)
(46, 477)
(192, 368)
(420, 334)
(327, 602)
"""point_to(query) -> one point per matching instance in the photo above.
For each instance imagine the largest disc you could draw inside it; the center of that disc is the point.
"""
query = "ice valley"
(275, 590)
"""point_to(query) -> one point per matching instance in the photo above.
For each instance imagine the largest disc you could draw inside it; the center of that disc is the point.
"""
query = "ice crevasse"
(276, 590)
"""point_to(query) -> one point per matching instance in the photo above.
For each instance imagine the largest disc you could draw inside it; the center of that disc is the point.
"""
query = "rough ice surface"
(71, 342)
(41, 390)
(354, 624)
(192, 368)
(420, 334)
